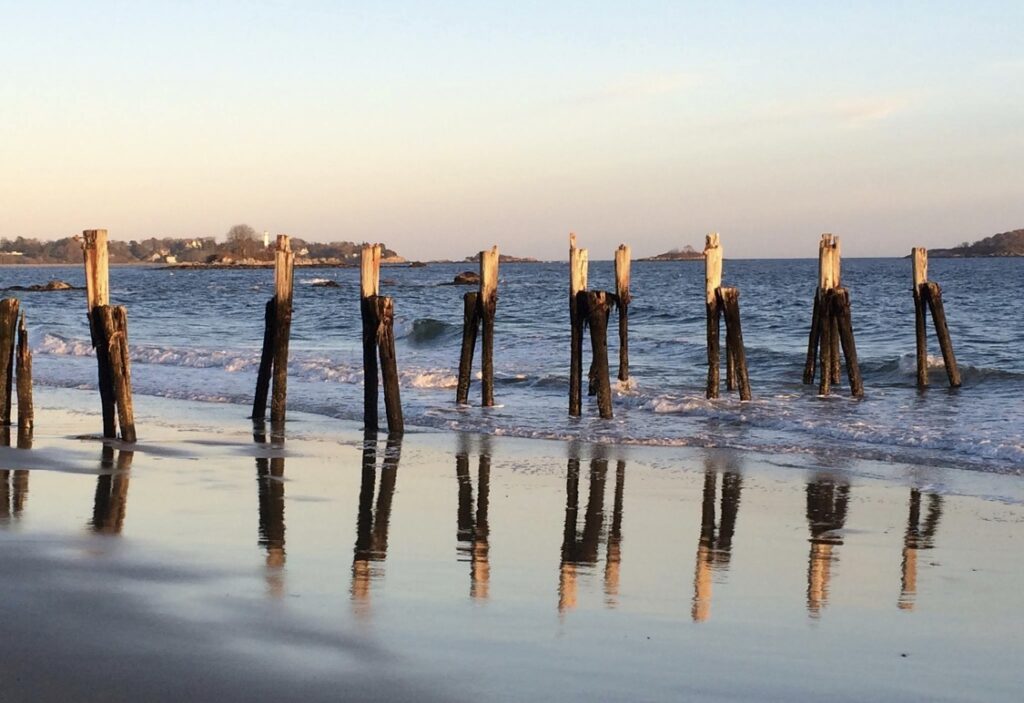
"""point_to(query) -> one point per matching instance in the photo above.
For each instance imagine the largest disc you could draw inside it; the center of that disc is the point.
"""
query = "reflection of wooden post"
(284, 262)
(372, 522)
(577, 283)
(613, 558)
(488, 302)
(111, 499)
(917, 537)
(826, 516)
(26, 414)
(97, 290)
(622, 300)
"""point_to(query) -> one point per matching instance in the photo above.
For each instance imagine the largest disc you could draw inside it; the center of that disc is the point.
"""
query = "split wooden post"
(284, 267)
(577, 284)
(114, 323)
(942, 330)
(97, 291)
(470, 326)
(595, 307)
(26, 413)
(930, 293)
(8, 336)
(831, 324)
(712, 282)
(369, 287)
(378, 317)
(729, 299)
(919, 256)
(389, 364)
(488, 301)
(622, 300)
(259, 402)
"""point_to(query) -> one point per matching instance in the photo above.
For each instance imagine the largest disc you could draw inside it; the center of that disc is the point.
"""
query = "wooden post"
(622, 300)
(488, 302)
(835, 263)
(934, 297)
(113, 322)
(389, 364)
(596, 306)
(844, 330)
(259, 403)
(825, 317)
(712, 282)
(25, 410)
(8, 335)
(470, 325)
(577, 284)
(284, 261)
(369, 287)
(97, 287)
(729, 299)
(920, 274)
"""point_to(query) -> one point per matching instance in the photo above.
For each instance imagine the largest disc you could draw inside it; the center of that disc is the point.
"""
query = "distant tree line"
(241, 244)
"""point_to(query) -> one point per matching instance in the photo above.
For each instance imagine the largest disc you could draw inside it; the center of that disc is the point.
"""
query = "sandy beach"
(212, 564)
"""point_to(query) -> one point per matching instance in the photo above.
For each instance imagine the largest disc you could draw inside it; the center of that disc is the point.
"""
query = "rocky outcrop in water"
(54, 285)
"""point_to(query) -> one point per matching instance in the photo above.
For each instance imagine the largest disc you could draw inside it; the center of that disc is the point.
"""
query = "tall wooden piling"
(378, 316)
(114, 322)
(470, 326)
(596, 307)
(8, 336)
(259, 402)
(929, 293)
(26, 413)
(843, 329)
(97, 291)
(730, 302)
(622, 300)
(831, 325)
(934, 298)
(369, 287)
(488, 301)
(712, 282)
(577, 284)
(284, 263)
(919, 256)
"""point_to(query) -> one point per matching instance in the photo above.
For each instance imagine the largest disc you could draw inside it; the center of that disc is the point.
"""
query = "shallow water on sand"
(197, 334)
(459, 566)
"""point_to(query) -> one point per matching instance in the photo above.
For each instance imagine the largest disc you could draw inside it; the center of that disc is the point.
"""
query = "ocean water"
(197, 335)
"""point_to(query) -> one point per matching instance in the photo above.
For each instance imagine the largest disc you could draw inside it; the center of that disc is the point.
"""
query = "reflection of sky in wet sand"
(744, 548)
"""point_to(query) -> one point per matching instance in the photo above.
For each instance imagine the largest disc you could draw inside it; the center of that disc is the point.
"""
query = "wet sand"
(212, 563)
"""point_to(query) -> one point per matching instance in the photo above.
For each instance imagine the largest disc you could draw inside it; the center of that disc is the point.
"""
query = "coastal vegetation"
(241, 245)
(1002, 244)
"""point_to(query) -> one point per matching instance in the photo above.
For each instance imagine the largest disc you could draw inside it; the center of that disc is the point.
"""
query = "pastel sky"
(441, 128)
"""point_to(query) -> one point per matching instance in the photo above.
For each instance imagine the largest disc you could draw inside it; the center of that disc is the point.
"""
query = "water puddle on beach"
(465, 567)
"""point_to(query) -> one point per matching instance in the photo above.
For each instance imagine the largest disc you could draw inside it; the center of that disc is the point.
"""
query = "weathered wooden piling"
(577, 284)
(284, 267)
(97, 291)
(920, 274)
(259, 402)
(479, 312)
(596, 306)
(831, 325)
(730, 302)
(723, 302)
(470, 326)
(622, 300)
(26, 413)
(113, 320)
(369, 286)
(930, 293)
(8, 335)
(488, 302)
(712, 282)
(378, 317)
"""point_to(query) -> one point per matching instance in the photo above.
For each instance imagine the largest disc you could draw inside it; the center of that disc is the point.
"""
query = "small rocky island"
(687, 253)
(1003, 244)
